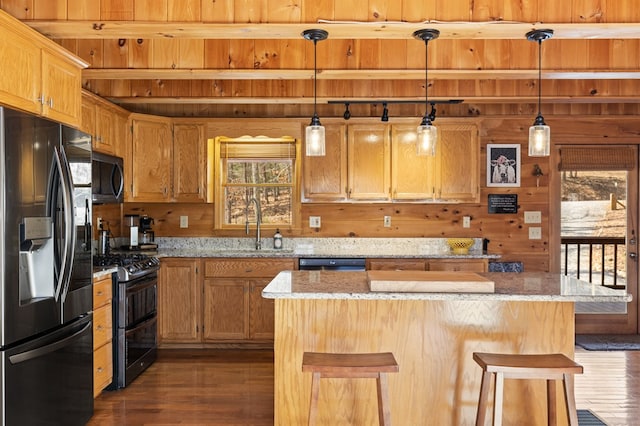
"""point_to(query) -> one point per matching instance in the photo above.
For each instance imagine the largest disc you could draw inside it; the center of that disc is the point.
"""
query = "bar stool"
(348, 366)
(544, 366)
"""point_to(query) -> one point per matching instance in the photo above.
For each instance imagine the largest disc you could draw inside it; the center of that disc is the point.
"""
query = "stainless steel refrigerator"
(46, 371)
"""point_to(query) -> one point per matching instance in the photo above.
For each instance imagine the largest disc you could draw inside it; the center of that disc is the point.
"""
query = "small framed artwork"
(503, 165)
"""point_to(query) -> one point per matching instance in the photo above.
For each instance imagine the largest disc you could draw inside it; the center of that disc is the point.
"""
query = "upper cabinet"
(169, 162)
(378, 162)
(38, 76)
(106, 123)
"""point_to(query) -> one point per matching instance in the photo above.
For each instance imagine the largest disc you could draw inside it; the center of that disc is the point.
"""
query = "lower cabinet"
(224, 304)
(102, 334)
(468, 265)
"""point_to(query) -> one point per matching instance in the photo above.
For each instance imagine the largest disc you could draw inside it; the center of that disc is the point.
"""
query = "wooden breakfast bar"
(432, 335)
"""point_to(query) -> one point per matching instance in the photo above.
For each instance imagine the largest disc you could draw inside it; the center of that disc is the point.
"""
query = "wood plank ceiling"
(247, 58)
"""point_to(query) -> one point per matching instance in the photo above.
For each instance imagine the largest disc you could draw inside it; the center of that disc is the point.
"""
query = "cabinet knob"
(50, 102)
(100, 370)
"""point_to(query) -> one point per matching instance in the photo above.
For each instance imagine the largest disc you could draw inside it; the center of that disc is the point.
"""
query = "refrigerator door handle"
(70, 225)
(43, 350)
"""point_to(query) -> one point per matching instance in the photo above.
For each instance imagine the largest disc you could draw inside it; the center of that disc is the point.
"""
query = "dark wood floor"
(233, 387)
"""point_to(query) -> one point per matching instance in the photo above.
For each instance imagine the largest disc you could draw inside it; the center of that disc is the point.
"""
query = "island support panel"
(433, 341)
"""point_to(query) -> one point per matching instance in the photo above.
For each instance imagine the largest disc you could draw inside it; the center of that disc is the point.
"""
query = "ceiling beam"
(347, 74)
(337, 30)
(229, 100)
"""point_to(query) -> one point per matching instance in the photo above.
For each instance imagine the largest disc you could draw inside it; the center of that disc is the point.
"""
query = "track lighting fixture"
(347, 113)
(315, 131)
(385, 112)
(539, 132)
(427, 133)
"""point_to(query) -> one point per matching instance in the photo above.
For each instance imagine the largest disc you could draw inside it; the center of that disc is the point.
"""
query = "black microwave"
(107, 183)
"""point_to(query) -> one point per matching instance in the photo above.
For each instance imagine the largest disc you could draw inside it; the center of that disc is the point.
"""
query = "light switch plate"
(535, 233)
(387, 221)
(532, 217)
(184, 221)
(466, 221)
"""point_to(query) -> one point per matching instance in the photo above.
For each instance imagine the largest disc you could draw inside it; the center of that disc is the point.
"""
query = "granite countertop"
(99, 271)
(509, 286)
(317, 247)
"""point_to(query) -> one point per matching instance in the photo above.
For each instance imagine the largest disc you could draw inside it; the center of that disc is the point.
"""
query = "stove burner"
(130, 266)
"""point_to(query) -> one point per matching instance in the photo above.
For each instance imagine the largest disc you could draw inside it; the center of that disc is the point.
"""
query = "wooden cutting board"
(429, 282)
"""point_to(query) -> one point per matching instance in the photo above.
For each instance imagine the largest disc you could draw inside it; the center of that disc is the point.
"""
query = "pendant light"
(314, 134)
(427, 133)
(539, 132)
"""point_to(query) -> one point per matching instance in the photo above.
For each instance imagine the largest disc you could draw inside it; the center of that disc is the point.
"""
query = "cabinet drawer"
(469, 265)
(102, 292)
(397, 265)
(265, 267)
(102, 326)
(102, 368)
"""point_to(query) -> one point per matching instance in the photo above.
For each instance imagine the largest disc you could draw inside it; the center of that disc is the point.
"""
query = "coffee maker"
(146, 236)
(131, 221)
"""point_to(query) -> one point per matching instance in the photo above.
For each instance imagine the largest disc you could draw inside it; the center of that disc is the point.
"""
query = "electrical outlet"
(466, 221)
(314, 221)
(535, 233)
(184, 221)
(532, 217)
(99, 223)
(387, 221)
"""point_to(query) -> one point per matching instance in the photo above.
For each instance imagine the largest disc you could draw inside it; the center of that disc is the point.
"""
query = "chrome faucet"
(258, 221)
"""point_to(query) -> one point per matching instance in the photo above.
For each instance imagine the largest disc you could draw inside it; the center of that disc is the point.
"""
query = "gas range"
(130, 266)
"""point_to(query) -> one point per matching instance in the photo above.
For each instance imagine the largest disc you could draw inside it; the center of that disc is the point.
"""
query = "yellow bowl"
(460, 245)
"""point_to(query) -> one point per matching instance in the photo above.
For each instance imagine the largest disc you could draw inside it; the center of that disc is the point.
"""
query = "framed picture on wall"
(503, 165)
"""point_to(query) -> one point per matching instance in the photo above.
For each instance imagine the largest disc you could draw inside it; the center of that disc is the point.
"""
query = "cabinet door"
(105, 132)
(151, 160)
(411, 175)
(262, 312)
(61, 84)
(469, 265)
(88, 118)
(179, 299)
(325, 178)
(369, 163)
(189, 163)
(226, 309)
(21, 76)
(457, 173)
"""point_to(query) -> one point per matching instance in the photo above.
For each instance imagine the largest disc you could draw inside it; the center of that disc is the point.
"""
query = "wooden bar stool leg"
(552, 410)
(315, 391)
(570, 400)
(484, 397)
(497, 399)
(384, 412)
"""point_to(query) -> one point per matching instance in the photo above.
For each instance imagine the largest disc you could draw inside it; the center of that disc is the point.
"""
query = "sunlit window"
(256, 175)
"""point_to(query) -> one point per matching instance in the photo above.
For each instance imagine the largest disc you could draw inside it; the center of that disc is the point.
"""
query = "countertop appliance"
(134, 314)
(46, 340)
(146, 237)
(331, 264)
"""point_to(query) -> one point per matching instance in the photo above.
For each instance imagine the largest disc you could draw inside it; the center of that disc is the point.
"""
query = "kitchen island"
(432, 336)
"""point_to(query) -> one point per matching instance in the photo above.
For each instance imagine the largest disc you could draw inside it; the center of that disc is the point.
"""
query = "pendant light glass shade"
(314, 133)
(427, 133)
(539, 132)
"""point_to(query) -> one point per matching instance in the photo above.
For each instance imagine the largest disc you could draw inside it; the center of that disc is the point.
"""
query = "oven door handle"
(143, 325)
(142, 285)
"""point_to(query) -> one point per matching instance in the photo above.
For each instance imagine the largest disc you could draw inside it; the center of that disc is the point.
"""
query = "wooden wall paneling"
(83, 10)
(21, 9)
(49, 9)
(385, 10)
(111, 213)
(241, 54)
(216, 54)
(504, 10)
(191, 54)
(150, 10)
(120, 88)
(621, 54)
(354, 10)
(217, 11)
(142, 88)
(417, 11)
(447, 10)
(91, 51)
(249, 11)
(139, 53)
(368, 53)
(393, 54)
(165, 53)
(116, 10)
(312, 10)
(621, 11)
(556, 11)
(167, 218)
(116, 53)
(288, 11)
(598, 54)
(588, 11)
(185, 10)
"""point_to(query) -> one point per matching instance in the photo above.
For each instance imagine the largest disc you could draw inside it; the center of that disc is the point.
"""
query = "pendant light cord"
(315, 77)
(539, 77)
(426, 77)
